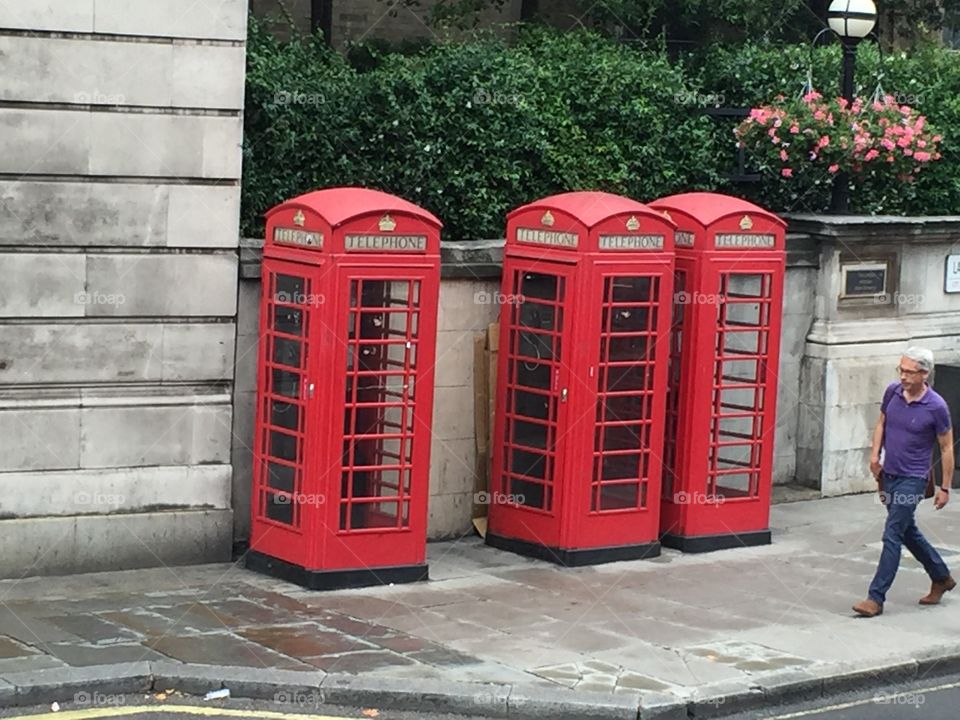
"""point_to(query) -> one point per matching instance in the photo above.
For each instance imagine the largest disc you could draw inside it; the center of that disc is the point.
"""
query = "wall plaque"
(863, 280)
(951, 282)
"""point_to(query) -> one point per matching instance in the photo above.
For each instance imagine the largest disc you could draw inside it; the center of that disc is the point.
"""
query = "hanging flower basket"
(811, 139)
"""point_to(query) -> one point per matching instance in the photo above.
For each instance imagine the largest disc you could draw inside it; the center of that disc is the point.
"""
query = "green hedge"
(470, 131)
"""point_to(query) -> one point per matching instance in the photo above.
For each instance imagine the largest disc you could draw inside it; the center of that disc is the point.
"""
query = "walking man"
(913, 416)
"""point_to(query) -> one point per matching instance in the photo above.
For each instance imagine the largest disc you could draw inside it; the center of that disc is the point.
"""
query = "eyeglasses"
(904, 371)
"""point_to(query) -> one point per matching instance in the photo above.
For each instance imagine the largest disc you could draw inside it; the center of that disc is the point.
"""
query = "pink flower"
(794, 129)
(903, 142)
(908, 152)
(834, 168)
(819, 115)
(923, 156)
(787, 172)
(823, 142)
(811, 96)
(783, 155)
(921, 143)
(872, 155)
(888, 144)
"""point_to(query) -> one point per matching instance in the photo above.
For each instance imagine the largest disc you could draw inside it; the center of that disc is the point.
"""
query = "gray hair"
(921, 356)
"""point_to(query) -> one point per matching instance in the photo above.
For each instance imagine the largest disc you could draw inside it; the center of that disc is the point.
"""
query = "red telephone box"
(345, 390)
(724, 356)
(581, 385)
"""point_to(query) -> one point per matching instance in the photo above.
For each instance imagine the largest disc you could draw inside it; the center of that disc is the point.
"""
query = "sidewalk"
(497, 634)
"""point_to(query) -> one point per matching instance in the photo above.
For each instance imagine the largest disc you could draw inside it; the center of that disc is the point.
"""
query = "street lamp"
(852, 20)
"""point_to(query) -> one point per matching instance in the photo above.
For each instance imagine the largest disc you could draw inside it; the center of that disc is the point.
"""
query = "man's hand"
(941, 499)
(875, 467)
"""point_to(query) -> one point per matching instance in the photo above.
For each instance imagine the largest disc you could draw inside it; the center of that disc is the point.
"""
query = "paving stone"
(10, 648)
(213, 649)
(191, 617)
(33, 662)
(142, 621)
(350, 626)
(443, 657)
(304, 640)
(94, 629)
(83, 655)
(242, 613)
(636, 681)
(359, 662)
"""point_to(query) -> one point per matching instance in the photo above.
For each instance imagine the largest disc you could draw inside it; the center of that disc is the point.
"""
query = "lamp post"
(852, 21)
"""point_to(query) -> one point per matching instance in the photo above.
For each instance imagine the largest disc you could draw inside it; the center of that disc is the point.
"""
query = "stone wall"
(853, 346)
(119, 206)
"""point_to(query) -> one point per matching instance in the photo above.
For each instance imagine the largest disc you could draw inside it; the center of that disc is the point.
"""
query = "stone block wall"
(852, 349)
(119, 207)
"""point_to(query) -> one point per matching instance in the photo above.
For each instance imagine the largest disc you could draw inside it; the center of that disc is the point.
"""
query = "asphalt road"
(179, 707)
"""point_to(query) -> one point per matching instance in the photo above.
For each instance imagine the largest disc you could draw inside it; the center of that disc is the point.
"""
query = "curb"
(304, 690)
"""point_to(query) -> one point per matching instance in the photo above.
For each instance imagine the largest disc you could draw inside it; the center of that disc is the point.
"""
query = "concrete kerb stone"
(535, 702)
(865, 678)
(77, 684)
(427, 695)
(790, 686)
(726, 698)
(315, 688)
(189, 679)
(662, 706)
(8, 693)
(937, 662)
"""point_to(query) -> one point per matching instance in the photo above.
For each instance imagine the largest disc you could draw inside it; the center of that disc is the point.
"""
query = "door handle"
(563, 395)
(310, 390)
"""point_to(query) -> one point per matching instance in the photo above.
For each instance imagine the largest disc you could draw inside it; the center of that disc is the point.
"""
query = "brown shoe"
(937, 589)
(868, 608)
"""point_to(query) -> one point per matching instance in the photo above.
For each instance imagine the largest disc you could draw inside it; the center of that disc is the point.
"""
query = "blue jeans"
(901, 495)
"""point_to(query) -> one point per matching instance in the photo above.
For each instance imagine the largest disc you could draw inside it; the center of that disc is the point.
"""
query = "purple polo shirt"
(911, 430)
